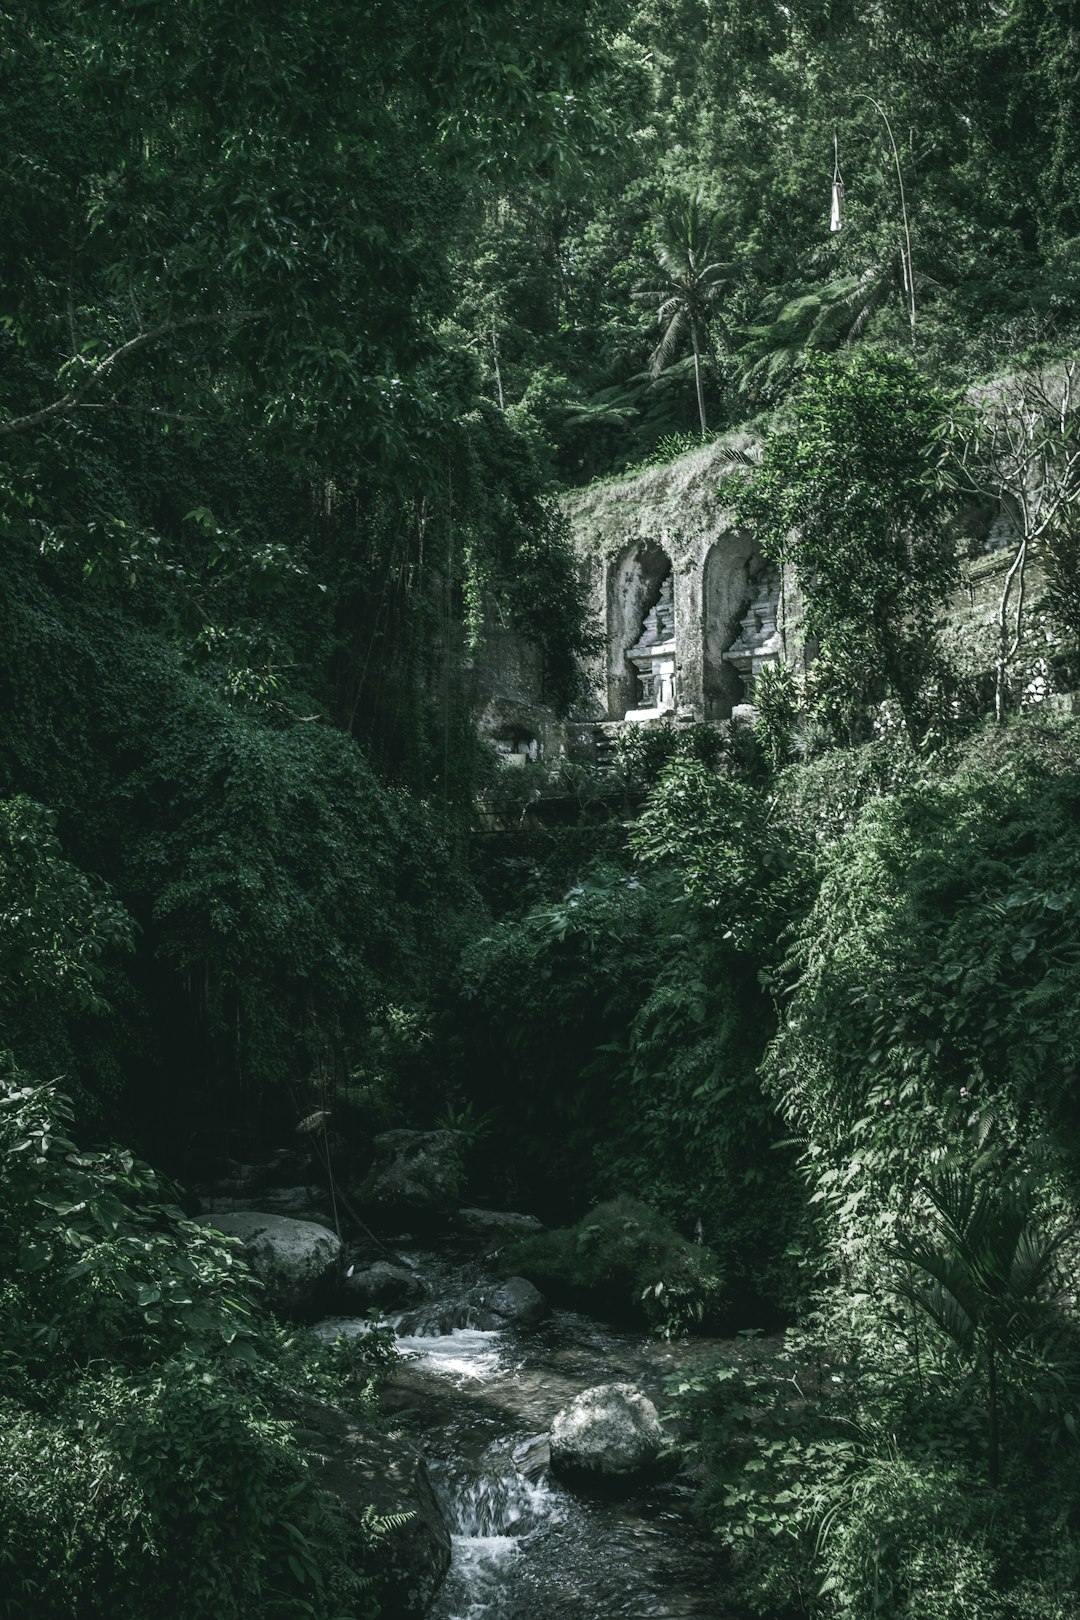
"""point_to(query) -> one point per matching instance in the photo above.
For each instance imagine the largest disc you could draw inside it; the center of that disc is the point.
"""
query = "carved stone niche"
(516, 746)
(653, 656)
(758, 645)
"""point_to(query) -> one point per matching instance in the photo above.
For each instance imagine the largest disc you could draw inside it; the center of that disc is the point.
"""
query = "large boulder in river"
(296, 1261)
(513, 1302)
(385, 1285)
(415, 1173)
(358, 1470)
(490, 1307)
(608, 1434)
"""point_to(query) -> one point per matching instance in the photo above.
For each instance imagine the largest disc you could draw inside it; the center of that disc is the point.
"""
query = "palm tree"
(689, 298)
(985, 1276)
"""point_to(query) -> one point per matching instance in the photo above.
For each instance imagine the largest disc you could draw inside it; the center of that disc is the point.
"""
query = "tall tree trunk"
(697, 380)
(1005, 651)
(498, 373)
(992, 1391)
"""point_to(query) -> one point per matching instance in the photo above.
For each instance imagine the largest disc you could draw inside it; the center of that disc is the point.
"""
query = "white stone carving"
(653, 656)
(758, 645)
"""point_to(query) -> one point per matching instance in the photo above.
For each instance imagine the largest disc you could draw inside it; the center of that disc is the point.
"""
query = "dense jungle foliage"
(305, 321)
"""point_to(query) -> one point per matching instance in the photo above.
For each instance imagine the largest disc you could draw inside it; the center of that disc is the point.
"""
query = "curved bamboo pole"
(909, 265)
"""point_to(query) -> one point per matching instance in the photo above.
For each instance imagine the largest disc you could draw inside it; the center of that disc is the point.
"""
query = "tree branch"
(143, 340)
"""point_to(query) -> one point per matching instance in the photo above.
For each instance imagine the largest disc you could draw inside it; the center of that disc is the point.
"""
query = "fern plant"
(984, 1277)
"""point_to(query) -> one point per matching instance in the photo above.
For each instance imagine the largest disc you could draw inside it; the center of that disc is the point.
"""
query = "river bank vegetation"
(304, 327)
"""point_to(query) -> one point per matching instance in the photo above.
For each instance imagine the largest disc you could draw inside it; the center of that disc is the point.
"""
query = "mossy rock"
(624, 1261)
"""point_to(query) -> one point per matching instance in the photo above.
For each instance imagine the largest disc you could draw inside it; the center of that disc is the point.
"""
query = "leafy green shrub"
(539, 1002)
(934, 988)
(96, 1257)
(616, 1034)
(623, 1257)
(669, 447)
(909, 1537)
(145, 1465)
(838, 1491)
(720, 838)
(776, 708)
(818, 800)
(62, 934)
(985, 1276)
(280, 894)
(695, 1135)
(56, 922)
(642, 752)
(845, 491)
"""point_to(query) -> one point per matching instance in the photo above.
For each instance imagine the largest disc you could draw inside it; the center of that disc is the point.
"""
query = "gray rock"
(296, 1261)
(609, 1433)
(341, 1327)
(514, 1300)
(384, 1284)
(490, 1307)
(499, 1225)
(357, 1470)
(415, 1173)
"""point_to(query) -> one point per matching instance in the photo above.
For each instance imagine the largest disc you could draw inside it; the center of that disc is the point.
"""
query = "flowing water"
(525, 1547)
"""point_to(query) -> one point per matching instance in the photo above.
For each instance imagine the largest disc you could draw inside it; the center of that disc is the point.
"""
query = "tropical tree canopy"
(689, 299)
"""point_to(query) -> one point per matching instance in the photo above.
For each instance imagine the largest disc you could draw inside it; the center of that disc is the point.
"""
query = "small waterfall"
(492, 1513)
(496, 1502)
(479, 1401)
(464, 1354)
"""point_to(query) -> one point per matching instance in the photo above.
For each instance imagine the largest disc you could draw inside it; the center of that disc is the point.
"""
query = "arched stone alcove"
(635, 584)
(739, 631)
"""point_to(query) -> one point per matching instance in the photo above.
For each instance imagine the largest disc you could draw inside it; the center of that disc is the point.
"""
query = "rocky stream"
(521, 1453)
(479, 1402)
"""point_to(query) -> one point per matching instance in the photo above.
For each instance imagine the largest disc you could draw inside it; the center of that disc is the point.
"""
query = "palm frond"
(746, 458)
(670, 342)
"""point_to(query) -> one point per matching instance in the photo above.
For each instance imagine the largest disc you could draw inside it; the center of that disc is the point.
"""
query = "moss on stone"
(625, 1260)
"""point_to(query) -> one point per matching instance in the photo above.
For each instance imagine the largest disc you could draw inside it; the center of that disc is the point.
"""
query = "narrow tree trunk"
(697, 379)
(1005, 652)
(991, 1375)
(498, 373)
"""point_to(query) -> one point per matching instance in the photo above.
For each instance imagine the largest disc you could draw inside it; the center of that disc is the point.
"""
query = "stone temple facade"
(689, 615)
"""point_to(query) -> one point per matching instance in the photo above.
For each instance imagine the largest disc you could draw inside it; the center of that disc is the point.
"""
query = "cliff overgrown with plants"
(304, 322)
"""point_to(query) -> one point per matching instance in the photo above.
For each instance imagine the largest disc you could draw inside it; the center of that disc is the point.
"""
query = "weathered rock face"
(383, 1284)
(296, 1261)
(360, 1470)
(609, 1433)
(515, 1300)
(498, 1225)
(415, 1173)
(513, 1303)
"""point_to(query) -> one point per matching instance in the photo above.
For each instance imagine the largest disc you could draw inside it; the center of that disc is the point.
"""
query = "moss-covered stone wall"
(629, 532)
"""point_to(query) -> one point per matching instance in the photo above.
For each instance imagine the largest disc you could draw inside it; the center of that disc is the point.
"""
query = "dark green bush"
(282, 894)
(145, 1467)
(843, 1492)
(642, 752)
(625, 1259)
(541, 1004)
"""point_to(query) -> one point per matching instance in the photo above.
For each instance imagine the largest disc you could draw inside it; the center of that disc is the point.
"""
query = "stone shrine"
(653, 656)
(759, 643)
